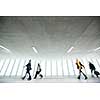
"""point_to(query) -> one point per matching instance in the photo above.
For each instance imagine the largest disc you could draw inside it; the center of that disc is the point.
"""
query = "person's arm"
(24, 66)
(82, 65)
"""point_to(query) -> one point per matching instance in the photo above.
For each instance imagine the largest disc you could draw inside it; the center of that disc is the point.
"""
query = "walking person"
(79, 67)
(92, 68)
(38, 72)
(28, 68)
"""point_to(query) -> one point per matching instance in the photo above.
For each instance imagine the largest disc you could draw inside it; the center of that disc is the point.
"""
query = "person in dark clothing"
(92, 68)
(28, 68)
(38, 72)
(79, 67)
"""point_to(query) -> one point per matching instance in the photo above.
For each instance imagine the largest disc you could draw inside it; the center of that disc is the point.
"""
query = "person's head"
(38, 65)
(77, 60)
(89, 62)
(29, 61)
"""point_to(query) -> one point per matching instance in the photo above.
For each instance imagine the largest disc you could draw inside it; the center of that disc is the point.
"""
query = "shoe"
(78, 77)
(92, 75)
(29, 78)
(23, 78)
(86, 78)
(97, 76)
(41, 76)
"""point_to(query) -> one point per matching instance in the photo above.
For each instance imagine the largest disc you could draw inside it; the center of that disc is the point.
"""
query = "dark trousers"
(38, 73)
(27, 72)
(80, 74)
(92, 72)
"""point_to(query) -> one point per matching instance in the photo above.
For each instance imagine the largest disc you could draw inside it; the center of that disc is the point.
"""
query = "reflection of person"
(92, 68)
(79, 67)
(38, 72)
(28, 68)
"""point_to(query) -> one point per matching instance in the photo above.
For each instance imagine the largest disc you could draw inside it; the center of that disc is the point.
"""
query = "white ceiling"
(52, 36)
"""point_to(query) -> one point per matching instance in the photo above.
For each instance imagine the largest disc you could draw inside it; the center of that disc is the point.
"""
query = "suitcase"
(96, 73)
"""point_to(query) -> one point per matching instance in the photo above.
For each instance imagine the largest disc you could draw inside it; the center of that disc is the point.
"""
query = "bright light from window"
(48, 68)
(4, 67)
(1, 64)
(16, 65)
(59, 66)
(70, 66)
(65, 67)
(43, 67)
(10, 66)
(53, 67)
(22, 64)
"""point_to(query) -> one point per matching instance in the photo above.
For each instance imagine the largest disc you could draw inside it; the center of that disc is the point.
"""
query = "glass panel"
(62, 68)
(59, 64)
(16, 65)
(70, 67)
(53, 67)
(4, 67)
(10, 67)
(65, 67)
(34, 67)
(48, 68)
(43, 67)
(98, 61)
(1, 64)
(21, 67)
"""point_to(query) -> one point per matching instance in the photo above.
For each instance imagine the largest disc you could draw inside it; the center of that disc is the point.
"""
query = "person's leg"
(24, 76)
(79, 74)
(36, 75)
(92, 73)
(41, 75)
(29, 78)
(97, 76)
(84, 75)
